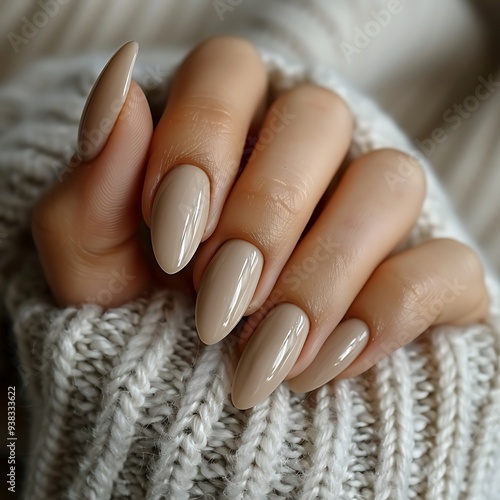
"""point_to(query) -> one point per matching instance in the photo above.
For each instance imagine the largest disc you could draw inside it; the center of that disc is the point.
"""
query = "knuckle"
(414, 291)
(286, 199)
(210, 113)
(235, 46)
(469, 272)
(472, 264)
(405, 171)
(204, 133)
(218, 42)
(201, 132)
(344, 259)
(467, 259)
(325, 263)
(317, 98)
(481, 308)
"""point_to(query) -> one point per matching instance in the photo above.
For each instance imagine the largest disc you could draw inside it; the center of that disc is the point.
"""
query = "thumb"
(85, 227)
(109, 187)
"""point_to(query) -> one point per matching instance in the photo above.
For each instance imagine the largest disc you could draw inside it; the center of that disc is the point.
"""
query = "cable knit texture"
(127, 403)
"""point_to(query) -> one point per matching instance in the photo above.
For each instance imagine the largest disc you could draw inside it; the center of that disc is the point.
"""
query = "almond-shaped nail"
(227, 288)
(269, 355)
(105, 101)
(341, 348)
(179, 216)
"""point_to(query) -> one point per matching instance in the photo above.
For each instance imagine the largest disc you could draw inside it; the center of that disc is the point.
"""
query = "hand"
(326, 292)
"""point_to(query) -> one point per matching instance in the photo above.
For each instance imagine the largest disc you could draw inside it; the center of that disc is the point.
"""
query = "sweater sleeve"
(128, 403)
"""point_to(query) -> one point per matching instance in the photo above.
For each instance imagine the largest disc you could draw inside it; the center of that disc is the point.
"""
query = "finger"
(438, 282)
(359, 226)
(304, 137)
(110, 186)
(197, 146)
(85, 226)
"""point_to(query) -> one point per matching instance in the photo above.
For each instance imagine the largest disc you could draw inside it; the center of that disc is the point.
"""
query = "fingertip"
(105, 101)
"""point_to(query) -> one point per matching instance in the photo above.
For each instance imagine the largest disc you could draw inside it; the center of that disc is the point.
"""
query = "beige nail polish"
(341, 348)
(105, 101)
(179, 216)
(269, 355)
(227, 288)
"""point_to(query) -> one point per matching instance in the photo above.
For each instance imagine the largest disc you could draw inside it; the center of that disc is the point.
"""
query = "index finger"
(197, 146)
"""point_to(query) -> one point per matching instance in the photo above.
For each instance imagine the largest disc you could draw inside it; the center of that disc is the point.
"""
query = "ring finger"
(440, 281)
(363, 221)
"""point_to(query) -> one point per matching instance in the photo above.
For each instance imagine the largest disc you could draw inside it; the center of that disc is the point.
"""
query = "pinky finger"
(440, 281)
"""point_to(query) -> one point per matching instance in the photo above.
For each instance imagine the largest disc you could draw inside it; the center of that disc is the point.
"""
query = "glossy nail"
(179, 216)
(269, 355)
(341, 348)
(105, 101)
(227, 288)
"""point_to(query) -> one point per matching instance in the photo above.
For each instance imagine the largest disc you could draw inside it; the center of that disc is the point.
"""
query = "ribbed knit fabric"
(127, 403)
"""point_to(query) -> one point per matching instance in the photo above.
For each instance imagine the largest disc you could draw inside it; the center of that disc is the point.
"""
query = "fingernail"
(179, 216)
(227, 288)
(341, 348)
(105, 101)
(269, 355)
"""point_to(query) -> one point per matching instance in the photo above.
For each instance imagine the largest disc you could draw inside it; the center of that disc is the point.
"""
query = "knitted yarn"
(128, 403)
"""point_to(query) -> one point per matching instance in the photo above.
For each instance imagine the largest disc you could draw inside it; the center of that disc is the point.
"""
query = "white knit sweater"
(127, 403)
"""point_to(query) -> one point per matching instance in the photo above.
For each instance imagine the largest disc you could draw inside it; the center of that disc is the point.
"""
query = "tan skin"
(87, 225)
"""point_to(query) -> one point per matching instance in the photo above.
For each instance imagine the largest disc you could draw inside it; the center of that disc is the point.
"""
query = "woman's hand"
(325, 291)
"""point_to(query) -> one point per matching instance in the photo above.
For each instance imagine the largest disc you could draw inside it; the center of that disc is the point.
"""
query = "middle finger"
(305, 135)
